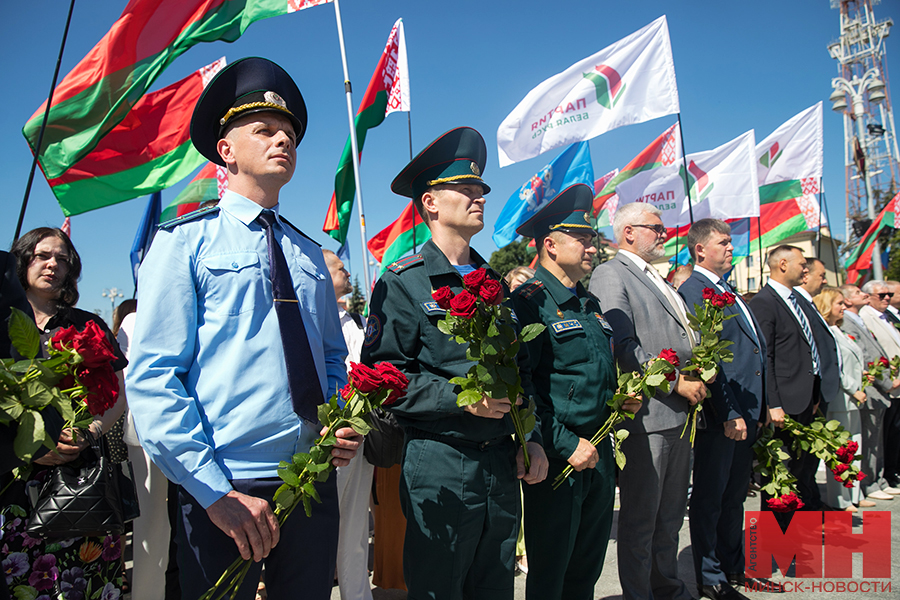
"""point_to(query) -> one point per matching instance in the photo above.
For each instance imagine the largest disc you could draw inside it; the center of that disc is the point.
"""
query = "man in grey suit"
(647, 315)
(871, 414)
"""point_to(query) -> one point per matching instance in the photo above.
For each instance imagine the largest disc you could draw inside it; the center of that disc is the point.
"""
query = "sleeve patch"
(604, 323)
(373, 330)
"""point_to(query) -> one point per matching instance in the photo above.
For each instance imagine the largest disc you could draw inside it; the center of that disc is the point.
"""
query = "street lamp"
(112, 294)
(856, 88)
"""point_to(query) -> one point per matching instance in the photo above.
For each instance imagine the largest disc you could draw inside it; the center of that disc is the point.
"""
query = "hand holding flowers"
(477, 317)
(875, 371)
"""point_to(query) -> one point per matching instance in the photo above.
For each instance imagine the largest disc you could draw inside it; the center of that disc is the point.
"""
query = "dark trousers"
(300, 566)
(892, 442)
(567, 530)
(462, 509)
(721, 478)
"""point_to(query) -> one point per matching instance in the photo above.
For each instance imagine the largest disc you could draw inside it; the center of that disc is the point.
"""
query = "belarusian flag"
(861, 258)
(148, 151)
(97, 94)
(629, 82)
(209, 184)
(723, 184)
(388, 92)
(398, 238)
(664, 151)
(608, 209)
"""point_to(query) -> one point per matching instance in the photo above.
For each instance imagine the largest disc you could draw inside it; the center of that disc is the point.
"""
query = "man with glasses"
(647, 315)
(871, 414)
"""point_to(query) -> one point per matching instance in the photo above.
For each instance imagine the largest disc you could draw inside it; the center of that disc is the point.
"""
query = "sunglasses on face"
(884, 295)
(657, 229)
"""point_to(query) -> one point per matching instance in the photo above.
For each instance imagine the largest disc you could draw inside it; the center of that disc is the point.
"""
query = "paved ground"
(608, 587)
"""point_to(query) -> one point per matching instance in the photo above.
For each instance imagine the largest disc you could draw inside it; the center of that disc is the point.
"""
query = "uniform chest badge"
(432, 308)
(559, 313)
(565, 326)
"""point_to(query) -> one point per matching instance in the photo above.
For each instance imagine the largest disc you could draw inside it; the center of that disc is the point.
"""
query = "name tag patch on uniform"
(603, 322)
(373, 330)
(563, 326)
(432, 308)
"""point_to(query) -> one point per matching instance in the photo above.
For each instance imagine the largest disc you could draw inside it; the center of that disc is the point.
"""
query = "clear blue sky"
(739, 66)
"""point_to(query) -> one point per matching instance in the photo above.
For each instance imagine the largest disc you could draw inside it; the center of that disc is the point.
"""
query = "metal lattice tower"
(870, 139)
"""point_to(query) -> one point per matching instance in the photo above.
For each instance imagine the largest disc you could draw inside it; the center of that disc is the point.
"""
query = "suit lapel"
(783, 306)
(645, 281)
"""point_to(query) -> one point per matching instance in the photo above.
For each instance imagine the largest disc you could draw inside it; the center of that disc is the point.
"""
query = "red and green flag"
(662, 152)
(101, 90)
(209, 184)
(405, 234)
(861, 258)
(149, 150)
(388, 92)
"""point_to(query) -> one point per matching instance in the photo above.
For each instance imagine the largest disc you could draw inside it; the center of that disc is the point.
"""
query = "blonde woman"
(830, 302)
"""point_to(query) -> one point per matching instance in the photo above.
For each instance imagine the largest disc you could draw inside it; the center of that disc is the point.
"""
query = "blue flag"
(146, 230)
(740, 239)
(570, 167)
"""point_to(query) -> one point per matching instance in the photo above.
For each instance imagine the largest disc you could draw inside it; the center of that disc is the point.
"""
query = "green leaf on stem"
(289, 477)
(23, 333)
(359, 425)
(312, 492)
(307, 507)
(285, 497)
(29, 435)
(832, 425)
(531, 331)
(444, 327)
(468, 397)
(655, 380)
(620, 458)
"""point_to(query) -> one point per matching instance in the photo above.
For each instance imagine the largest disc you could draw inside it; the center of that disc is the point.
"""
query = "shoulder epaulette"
(191, 216)
(295, 228)
(527, 290)
(398, 266)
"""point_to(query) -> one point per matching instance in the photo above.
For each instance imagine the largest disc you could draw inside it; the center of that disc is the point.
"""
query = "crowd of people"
(239, 336)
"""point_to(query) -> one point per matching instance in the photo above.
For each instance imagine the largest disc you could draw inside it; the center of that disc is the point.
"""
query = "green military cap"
(457, 156)
(568, 211)
(249, 85)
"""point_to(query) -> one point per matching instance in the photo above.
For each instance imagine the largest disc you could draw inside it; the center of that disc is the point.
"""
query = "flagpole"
(687, 189)
(40, 141)
(834, 255)
(759, 244)
(819, 232)
(353, 146)
(414, 211)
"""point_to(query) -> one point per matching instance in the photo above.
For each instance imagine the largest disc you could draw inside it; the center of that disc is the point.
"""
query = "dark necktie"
(807, 333)
(303, 381)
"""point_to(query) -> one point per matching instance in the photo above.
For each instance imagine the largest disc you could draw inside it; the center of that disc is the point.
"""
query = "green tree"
(357, 302)
(511, 256)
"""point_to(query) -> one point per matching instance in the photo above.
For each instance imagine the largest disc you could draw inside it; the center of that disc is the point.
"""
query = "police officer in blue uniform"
(459, 488)
(574, 375)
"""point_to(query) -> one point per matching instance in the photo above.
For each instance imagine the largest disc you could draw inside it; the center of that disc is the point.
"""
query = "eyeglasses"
(657, 229)
(884, 295)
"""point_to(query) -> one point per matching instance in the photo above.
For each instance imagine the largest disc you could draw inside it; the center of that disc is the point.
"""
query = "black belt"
(412, 433)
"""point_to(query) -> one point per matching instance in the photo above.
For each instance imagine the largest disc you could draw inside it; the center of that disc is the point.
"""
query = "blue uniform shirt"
(207, 383)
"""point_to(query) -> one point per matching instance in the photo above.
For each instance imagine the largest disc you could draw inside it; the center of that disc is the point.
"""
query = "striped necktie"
(807, 333)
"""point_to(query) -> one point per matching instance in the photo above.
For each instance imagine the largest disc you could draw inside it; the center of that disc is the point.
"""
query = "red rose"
(718, 301)
(443, 296)
(64, 337)
(102, 388)
(463, 305)
(838, 470)
(786, 503)
(473, 280)
(347, 392)
(93, 346)
(852, 446)
(363, 378)
(708, 293)
(670, 357)
(884, 361)
(845, 454)
(491, 292)
(729, 298)
(394, 380)
(860, 476)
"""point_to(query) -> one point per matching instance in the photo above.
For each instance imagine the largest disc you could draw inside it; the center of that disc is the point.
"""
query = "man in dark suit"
(827, 345)
(722, 451)
(647, 315)
(794, 365)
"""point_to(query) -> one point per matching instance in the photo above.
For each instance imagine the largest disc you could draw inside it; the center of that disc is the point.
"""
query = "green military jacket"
(402, 329)
(572, 366)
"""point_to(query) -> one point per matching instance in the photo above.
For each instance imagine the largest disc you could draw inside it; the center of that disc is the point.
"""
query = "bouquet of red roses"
(658, 374)
(876, 369)
(781, 484)
(710, 350)
(476, 316)
(77, 380)
(368, 389)
(830, 442)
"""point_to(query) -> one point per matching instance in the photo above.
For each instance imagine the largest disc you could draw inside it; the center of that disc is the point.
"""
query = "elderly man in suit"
(892, 416)
(793, 362)
(722, 451)
(871, 414)
(647, 315)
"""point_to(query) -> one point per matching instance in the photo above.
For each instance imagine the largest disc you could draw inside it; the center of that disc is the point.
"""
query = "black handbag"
(384, 443)
(85, 497)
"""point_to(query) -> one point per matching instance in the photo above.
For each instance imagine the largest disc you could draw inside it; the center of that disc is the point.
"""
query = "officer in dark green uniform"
(459, 488)
(573, 373)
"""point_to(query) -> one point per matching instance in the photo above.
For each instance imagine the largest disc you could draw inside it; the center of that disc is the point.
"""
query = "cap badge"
(587, 219)
(275, 99)
(475, 169)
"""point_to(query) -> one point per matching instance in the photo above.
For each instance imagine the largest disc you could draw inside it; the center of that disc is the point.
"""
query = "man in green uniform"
(459, 488)
(573, 373)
